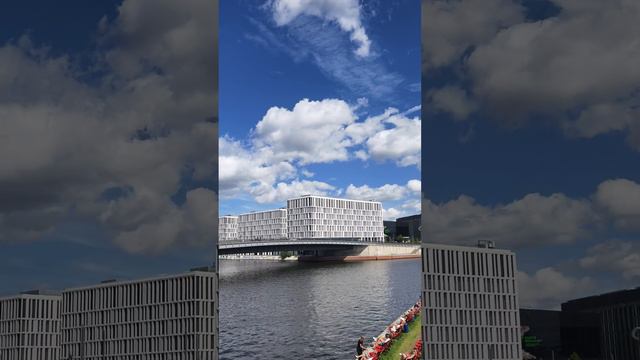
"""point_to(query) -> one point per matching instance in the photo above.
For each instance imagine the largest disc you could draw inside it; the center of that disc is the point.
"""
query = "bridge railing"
(315, 240)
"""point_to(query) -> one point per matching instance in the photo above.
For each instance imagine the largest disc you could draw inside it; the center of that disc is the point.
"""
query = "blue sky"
(530, 138)
(108, 141)
(274, 55)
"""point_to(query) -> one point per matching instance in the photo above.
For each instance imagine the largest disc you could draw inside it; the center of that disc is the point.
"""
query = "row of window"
(139, 293)
(470, 283)
(333, 203)
(30, 354)
(26, 307)
(30, 340)
(459, 317)
(469, 262)
(440, 299)
(27, 326)
(139, 314)
(471, 351)
(479, 334)
(158, 329)
(175, 347)
(264, 215)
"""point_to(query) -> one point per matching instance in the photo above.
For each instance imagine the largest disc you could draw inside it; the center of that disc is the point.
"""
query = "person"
(360, 347)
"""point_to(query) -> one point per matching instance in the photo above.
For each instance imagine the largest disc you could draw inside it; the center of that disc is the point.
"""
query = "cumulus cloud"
(452, 27)
(453, 100)
(621, 257)
(241, 168)
(400, 143)
(620, 199)
(530, 221)
(311, 132)
(536, 220)
(391, 213)
(575, 69)
(113, 150)
(268, 165)
(346, 13)
(548, 287)
(283, 191)
(387, 192)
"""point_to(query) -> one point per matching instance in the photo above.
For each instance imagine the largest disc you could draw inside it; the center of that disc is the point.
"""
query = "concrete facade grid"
(470, 303)
(228, 228)
(29, 327)
(163, 318)
(263, 225)
(320, 217)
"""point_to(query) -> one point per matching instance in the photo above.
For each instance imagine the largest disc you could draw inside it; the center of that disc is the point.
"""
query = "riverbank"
(405, 342)
(396, 336)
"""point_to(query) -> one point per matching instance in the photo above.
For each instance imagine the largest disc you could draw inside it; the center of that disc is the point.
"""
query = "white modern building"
(321, 217)
(470, 303)
(30, 327)
(228, 228)
(164, 318)
(263, 225)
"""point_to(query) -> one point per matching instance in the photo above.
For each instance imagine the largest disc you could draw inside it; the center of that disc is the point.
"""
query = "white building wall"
(470, 303)
(228, 228)
(29, 327)
(314, 217)
(263, 225)
(164, 318)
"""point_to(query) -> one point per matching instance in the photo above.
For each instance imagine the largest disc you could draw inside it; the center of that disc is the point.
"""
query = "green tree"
(285, 254)
(575, 356)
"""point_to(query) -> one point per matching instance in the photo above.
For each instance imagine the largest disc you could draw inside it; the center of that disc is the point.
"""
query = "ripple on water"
(290, 310)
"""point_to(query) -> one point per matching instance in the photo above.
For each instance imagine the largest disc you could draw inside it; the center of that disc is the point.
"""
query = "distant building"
(164, 318)
(390, 229)
(228, 228)
(618, 314)
(470, 298)
(263, 225)
(542, 335)
(30, 327)
(409, 226)
(321, 217)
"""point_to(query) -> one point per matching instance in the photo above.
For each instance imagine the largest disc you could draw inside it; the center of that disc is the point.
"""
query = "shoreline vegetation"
(405, 342)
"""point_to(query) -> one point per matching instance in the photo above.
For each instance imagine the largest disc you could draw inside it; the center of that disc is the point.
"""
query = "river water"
(291, 310)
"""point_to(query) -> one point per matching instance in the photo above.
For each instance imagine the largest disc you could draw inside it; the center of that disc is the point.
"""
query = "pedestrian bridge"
(315, 246)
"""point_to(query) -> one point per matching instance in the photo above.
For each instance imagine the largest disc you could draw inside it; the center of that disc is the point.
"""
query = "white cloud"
(391, 214)
(240, 168)
(346, 13)
(284, 141)
(193, 223)
(532, 220)
(387, 192)
(400, 143)
(548, 287)
(312, 132)
(144, 120)
(620, 199)
(414, 185)
(453, 100)
(616, 256)
(451, 27)
(577, 69)
(283, 191)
